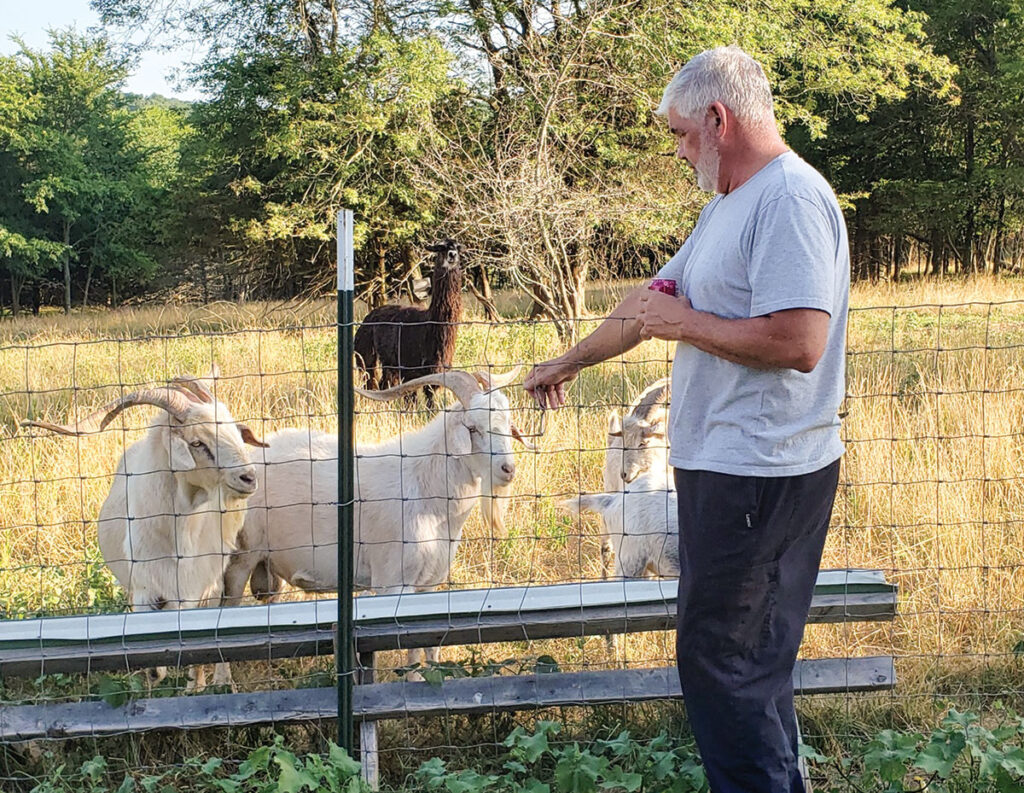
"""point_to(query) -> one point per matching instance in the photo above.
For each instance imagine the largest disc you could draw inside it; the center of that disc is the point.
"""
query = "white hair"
(723, 74)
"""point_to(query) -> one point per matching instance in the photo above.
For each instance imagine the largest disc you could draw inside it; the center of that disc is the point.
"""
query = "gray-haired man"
(757, 380)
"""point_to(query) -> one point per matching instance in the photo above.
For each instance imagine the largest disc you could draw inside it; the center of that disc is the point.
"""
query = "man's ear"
(718, 117)
(181, 457)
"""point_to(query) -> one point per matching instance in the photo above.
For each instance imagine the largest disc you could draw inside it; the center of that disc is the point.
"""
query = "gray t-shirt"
(776, 242)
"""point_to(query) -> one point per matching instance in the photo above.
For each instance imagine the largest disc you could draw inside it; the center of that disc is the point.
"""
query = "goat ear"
(458, 438)
(249, 436)
(181, 457)
(654, 430)
(615, 424)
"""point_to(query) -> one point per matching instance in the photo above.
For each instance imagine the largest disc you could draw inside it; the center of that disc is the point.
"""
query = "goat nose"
(509, 468)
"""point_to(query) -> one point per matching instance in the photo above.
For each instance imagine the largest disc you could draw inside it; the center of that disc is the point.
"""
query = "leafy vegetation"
(960, 755)
(524, 129)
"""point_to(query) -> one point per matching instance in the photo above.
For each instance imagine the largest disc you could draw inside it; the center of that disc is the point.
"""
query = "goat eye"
(197, 445)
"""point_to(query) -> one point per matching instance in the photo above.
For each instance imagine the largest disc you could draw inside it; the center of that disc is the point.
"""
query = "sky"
(30, 19)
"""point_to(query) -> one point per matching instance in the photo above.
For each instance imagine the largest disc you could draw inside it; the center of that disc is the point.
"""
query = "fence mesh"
(931, 494)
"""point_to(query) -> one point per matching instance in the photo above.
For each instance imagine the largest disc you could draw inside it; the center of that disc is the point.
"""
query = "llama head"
(447, 257)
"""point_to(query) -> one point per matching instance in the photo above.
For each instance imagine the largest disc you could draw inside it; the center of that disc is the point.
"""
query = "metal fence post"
(344, 660)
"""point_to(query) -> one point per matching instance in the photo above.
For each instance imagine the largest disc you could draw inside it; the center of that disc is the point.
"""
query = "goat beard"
(494, 500)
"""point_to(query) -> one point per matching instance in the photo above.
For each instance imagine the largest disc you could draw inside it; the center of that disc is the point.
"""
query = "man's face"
(698, 147)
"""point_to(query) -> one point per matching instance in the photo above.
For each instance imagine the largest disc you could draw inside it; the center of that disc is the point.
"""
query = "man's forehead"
(678, 123)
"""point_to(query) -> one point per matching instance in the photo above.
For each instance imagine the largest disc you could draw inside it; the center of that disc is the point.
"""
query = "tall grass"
(931, 489)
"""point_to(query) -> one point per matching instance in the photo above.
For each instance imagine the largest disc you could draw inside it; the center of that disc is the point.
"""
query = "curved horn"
(172, 399)
(195, 387)
(462, 384)
(491, 381)
(652, 397)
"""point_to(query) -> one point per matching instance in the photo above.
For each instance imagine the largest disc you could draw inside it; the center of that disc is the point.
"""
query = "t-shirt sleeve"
(673, 268)
(793, 258)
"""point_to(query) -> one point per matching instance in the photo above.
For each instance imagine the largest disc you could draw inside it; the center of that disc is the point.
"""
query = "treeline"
(522, 128)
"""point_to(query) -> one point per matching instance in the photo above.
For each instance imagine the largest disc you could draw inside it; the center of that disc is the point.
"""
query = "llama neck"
(446, 300)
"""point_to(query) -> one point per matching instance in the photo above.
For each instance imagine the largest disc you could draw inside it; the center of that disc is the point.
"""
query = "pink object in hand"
(664, 285)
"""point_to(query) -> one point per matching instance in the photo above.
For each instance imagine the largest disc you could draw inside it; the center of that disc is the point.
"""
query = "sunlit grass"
(931, 492)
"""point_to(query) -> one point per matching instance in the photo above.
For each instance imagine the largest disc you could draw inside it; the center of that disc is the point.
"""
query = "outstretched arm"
(617, 334)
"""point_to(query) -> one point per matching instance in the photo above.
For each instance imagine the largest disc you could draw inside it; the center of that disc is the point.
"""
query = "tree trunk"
(969, 262)
(88, 281)
(204, 277)
(16, 285)
(997, 255)
(67, 267)
(899, 257)
(484, 295)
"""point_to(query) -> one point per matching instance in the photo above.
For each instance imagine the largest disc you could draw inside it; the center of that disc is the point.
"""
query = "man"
(758, 376)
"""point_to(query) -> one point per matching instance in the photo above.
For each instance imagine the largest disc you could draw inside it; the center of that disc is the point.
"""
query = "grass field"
(931, 491)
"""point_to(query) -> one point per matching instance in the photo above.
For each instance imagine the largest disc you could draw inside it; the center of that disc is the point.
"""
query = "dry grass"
(931, 492)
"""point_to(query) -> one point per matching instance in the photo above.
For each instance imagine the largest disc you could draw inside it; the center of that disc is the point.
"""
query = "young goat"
(642, 526)
(637, 447)
(413, 494)
(177, 503)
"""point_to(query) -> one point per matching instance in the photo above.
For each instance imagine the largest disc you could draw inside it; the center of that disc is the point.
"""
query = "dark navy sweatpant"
(749, 551)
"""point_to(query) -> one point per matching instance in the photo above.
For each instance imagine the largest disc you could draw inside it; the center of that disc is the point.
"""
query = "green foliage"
(476, 665)
(524, 130)
(537, 764)
(269, 769)
(287, 142)
(82, 175)
(960, 756)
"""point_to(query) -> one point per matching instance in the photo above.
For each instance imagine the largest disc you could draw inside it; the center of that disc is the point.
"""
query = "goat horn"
(652, 397)
(462, 384)
(491, 381)
(172, 399)
(194, 386)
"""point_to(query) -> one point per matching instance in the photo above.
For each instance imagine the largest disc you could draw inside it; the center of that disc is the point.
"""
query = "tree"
(82, 176)
(538, 149)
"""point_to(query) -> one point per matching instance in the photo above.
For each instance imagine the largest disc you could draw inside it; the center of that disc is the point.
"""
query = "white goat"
(637, 447)
(413, 494)
(177, 503)
(637, 441)
(642, 525)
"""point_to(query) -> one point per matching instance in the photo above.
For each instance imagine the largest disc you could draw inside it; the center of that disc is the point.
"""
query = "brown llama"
(398, 343)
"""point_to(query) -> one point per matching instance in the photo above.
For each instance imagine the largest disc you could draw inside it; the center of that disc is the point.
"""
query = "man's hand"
(662, 316)
(546, 382)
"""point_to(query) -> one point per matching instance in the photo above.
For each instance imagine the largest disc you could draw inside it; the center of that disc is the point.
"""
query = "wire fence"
(449, 500)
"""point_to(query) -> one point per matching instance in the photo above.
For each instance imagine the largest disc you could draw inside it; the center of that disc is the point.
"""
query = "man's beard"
(707, 165)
